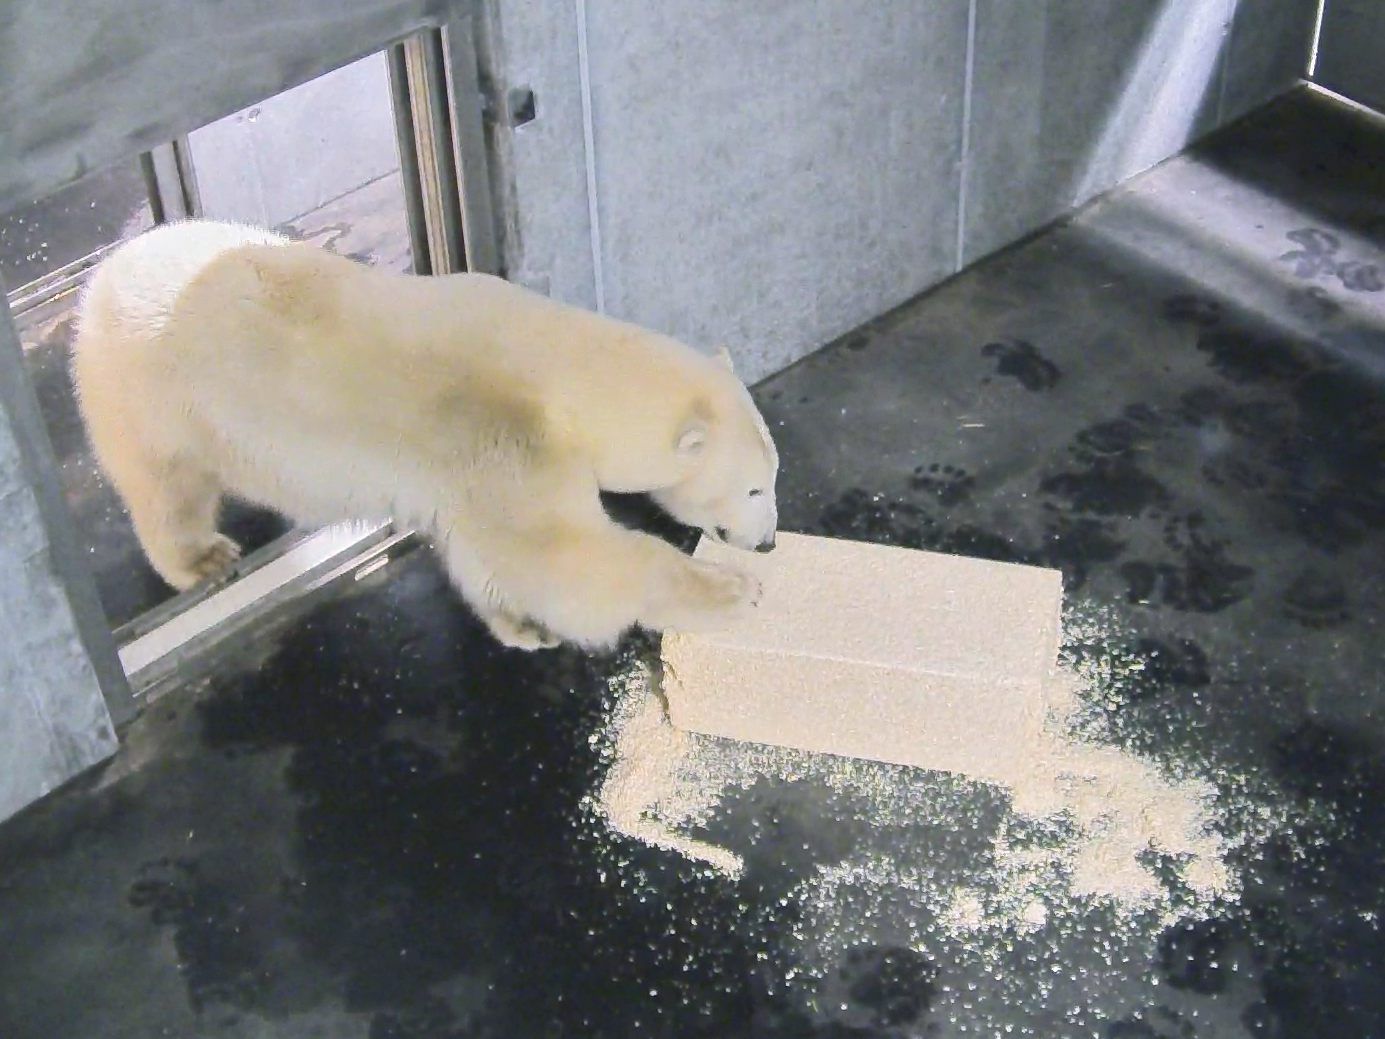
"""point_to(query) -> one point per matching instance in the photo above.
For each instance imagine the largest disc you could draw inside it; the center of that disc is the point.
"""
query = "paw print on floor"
(1318, 255)
(1192, 309)
(884, 987)
(1155, 1023)
(164, 888)
(1136, 427)
(947, 483)
(217, 959)
(1313, 303)
(1021, 360)
(1317, 600)
(1169, 666)
(1198, 575)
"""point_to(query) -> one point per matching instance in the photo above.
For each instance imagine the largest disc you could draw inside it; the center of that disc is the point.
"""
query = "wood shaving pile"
(1119, 814)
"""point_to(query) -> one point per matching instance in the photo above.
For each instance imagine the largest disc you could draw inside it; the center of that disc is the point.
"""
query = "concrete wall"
(1351, 50)
(54, 721)
(1071, 97)
(287, 155)
(769, 175)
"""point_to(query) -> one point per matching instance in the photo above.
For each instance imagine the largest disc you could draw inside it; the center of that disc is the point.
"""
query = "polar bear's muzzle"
(724, 536)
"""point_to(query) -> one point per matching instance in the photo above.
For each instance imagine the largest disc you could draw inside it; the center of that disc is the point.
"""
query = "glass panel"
(318, 162)
(43, 236)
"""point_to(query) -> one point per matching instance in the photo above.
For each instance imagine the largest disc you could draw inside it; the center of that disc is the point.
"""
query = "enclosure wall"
(768, 176)
(1351, 50)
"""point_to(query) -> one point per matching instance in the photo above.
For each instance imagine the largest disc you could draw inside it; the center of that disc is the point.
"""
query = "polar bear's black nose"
(766, 546)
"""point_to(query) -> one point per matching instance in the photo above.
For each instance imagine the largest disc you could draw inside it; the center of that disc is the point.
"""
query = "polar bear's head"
(730, 465)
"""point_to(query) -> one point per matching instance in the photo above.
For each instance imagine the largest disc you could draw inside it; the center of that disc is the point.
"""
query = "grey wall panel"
(85, 84)
(1268, 52)
(1351, 51)
(1069, 97)
(541, 169)
(771, 175)
(55, 648)
(290, 154)
(766, 175)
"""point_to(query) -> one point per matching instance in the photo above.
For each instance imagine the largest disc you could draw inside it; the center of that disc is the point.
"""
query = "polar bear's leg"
(589, 583)
(690, 594)
(173, 504)
(481, 592)
(518, 633)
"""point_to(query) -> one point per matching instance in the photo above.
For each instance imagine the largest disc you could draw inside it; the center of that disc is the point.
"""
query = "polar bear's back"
(572, 358)
(231, 335)
(202, 306)
(140, 283)
(242, 303)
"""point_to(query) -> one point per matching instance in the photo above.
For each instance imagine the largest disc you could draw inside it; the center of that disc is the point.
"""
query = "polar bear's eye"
(756, 493)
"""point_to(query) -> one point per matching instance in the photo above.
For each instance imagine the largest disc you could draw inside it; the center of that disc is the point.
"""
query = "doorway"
(363, 161)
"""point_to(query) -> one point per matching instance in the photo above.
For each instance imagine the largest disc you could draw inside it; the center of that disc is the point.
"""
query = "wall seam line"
(589, 147)
(1315, 43)
(964, 161)
(1228, 53)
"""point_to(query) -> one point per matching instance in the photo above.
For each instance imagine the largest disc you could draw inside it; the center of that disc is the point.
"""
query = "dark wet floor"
(370, 822)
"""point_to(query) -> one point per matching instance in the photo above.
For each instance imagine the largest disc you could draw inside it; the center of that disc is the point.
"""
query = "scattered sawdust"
(1123, 817)
(1067, 827)
(646, 785)
(1050, 898)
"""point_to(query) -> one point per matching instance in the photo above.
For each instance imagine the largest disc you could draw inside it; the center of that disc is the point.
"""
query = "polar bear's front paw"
(521, 634)
(726, 588)
(710, 595)
(210, 561)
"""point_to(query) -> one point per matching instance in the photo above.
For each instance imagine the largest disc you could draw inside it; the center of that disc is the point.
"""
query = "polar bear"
(214, 358)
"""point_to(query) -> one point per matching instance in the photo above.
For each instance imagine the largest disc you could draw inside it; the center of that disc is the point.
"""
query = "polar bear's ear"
(691, 438)
(724, 356)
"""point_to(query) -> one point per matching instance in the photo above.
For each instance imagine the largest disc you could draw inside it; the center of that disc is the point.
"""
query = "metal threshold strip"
(1356, 106)
(56, 284)
(153, 647)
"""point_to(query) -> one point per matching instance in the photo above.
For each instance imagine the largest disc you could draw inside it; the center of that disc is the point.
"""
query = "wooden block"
(873, 652)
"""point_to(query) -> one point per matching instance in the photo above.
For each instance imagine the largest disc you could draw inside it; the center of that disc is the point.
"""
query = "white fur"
(214, 358)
